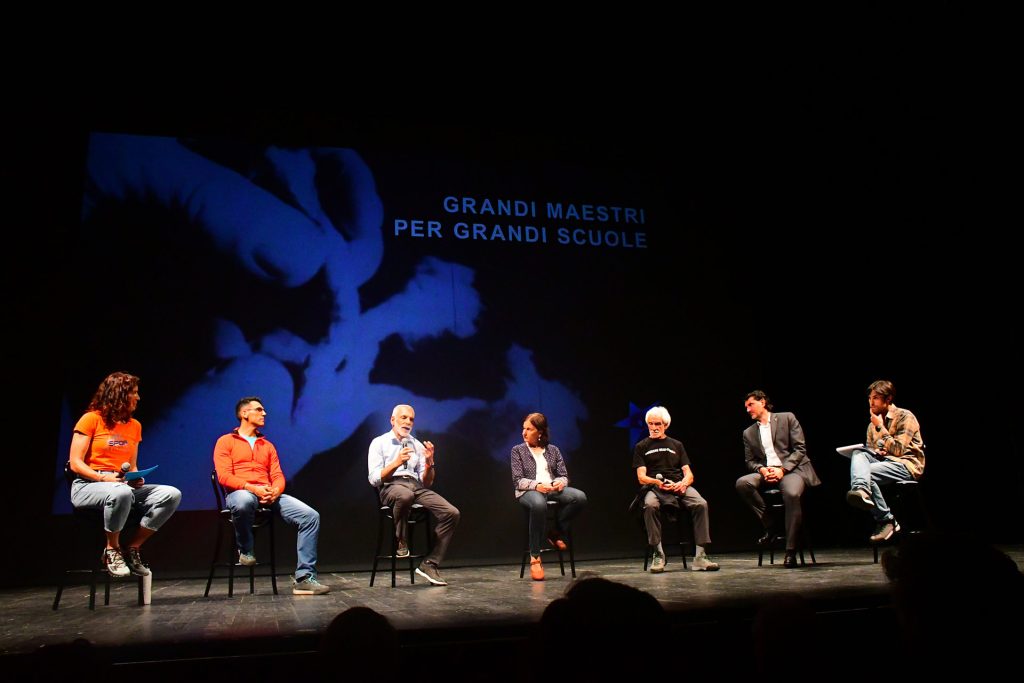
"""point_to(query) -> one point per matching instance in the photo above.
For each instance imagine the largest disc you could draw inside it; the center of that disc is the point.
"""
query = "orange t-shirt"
(109, 447)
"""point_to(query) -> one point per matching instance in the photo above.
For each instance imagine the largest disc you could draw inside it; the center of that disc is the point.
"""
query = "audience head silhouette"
(594, 627)
(962, 603)
(356, 640)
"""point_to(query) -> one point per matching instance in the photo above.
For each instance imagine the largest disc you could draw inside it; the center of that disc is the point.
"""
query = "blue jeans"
(867, 471)
(570, 503)
(156, 502)
(292, 510)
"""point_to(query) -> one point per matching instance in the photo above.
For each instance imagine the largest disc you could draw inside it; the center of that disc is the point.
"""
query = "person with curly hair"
(104, 448)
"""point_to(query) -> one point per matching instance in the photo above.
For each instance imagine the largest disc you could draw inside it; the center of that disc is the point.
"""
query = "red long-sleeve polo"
(238, 464)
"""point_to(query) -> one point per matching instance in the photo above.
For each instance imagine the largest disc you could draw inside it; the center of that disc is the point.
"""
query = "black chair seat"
(906, 501)
(419, 516)
(776, 507)
(672, 517)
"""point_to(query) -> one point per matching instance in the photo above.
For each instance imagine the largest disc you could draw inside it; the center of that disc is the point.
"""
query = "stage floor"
(480, 602)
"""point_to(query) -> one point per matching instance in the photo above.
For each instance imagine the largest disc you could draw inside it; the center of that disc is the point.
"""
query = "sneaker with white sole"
(309, 586)
(114, 563)
(403, 550)
(134, 561)
(246, 559)
(429, 572)
(657, 562)
(860, 499)
(703, 563)
(885, 530)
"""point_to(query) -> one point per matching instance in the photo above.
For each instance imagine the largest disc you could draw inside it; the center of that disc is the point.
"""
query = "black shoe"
(790, 561)
(766, 539)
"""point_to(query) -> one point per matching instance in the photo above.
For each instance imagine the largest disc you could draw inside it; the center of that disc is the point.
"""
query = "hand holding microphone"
(405, 452)
(134, 483)
(663, 480)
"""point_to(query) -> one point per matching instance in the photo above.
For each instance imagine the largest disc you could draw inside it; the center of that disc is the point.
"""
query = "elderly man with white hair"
(663, 469)
(402, 469)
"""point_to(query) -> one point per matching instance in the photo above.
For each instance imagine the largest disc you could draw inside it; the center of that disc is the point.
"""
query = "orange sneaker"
(555, 540)
(536, 569)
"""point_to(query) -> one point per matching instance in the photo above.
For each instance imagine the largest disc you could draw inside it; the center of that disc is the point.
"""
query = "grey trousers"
(691, 500)
(156, 502)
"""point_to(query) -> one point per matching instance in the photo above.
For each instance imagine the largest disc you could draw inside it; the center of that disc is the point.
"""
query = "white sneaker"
(246, 559)
(657, 562)
(309, 586)
(114, 563)
(703, 563)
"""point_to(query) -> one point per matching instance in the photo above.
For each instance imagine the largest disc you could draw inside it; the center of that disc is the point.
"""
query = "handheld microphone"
(125, 466)
(663, 479)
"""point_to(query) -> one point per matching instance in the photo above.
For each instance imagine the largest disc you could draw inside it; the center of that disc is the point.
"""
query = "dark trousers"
(571, 503)
(402, 492)
(792, 488)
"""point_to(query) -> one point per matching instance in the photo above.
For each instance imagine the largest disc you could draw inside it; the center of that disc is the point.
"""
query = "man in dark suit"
(776, 457)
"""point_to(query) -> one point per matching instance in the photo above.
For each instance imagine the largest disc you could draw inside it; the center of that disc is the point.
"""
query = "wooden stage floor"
(487, 605)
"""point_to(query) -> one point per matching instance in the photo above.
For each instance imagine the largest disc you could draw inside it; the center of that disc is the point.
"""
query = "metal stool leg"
(376, 552)
(572, 558)
(273, 556)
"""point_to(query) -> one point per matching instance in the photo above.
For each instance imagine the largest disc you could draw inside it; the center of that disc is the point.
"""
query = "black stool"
(551, 514)
(776, 507)
(264, 518)
(87, 523)
(419, 516)
(912, 514)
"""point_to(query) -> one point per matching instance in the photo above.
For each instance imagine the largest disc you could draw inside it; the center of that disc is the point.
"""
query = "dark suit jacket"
(788, 441)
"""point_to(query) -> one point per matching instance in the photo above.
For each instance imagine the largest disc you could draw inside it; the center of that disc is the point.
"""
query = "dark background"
(835, 235)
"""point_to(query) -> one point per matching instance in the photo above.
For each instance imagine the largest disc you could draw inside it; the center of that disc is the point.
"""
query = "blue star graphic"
(636, 422)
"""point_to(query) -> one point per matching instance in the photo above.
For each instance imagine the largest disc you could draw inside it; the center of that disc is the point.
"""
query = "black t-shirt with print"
(661, 456)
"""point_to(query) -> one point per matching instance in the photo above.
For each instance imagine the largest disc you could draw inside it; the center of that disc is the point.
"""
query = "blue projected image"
(233, 232)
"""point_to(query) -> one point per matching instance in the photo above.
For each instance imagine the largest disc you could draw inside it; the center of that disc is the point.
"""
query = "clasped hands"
(266, 494)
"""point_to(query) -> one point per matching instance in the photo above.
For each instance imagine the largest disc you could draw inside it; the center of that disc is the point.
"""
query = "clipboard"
(847, 451)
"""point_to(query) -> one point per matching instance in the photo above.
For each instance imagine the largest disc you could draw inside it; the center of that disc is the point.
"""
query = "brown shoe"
(536, 569)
